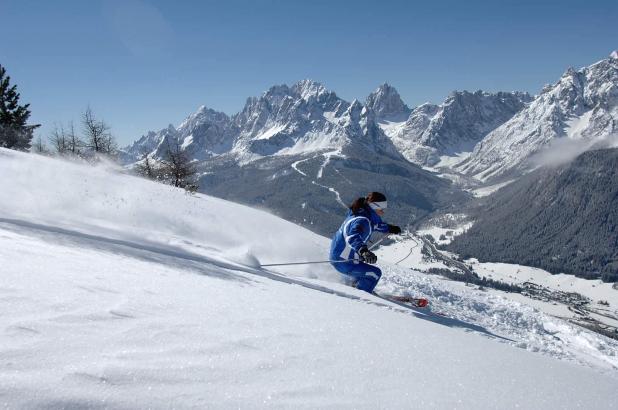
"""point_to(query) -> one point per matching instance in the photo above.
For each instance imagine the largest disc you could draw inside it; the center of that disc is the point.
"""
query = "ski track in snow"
(295, 166)
(327, 156)
(527, 327)
(334, 191)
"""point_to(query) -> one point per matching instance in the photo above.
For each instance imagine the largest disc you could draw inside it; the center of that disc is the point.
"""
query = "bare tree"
(65, 141)
(39, 146)
(74, 143)
(59, 140)
(98, 138)
(178, 169)
(148, 167)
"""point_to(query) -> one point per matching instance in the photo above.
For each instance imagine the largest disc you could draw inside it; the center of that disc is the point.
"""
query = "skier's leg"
(364, 275)
(369, 279)
(349, 275)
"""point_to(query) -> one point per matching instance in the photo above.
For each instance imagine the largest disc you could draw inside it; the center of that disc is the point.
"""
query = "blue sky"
(142, 64)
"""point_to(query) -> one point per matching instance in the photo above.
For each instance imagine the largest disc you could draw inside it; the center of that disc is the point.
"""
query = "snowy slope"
(120, 293)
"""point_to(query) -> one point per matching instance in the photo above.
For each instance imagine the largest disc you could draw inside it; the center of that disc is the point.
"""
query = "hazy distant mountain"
(581, 106)
(561, 219)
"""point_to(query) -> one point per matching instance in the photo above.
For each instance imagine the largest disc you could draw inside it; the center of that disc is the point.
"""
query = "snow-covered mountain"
(434, 133)
(285, 120)
(582, 107)
(205, 133)
(118, 292)
(304, 153)
(305, 118)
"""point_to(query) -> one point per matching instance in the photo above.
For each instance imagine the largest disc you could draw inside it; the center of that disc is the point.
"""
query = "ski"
(417, 302)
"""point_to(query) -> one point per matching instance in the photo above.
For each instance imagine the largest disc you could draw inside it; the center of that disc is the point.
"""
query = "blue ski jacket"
(355, 232)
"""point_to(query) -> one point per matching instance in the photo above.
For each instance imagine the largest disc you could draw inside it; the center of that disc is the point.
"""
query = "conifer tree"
(14, 132)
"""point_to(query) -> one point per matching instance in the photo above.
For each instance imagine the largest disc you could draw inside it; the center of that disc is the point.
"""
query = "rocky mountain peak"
(307, 89)
(433, 132)
(387, 104)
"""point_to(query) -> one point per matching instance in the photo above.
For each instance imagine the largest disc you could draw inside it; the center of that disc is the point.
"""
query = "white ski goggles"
(378, 206)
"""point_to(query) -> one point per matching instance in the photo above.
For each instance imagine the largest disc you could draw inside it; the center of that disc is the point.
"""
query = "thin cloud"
(141, 28)
(564, 150)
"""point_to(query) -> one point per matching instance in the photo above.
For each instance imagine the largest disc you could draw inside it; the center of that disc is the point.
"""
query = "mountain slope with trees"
(561, 219)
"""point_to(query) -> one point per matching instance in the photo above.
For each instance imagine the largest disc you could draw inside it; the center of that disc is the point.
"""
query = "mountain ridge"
(582, 105)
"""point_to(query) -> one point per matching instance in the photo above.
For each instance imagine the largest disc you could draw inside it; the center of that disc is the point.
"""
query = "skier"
(364, 217)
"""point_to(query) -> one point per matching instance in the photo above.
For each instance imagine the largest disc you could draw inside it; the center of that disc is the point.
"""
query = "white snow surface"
(530, 324)
(118, 292)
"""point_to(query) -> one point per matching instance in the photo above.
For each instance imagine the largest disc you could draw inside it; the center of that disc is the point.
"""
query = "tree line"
(563, 220)
(92, 141)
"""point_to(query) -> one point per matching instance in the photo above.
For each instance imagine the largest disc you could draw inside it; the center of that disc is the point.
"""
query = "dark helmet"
(376, 197)
(375, 200)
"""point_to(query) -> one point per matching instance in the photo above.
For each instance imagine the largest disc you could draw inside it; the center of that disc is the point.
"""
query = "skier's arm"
(357, 232)
(380, 226)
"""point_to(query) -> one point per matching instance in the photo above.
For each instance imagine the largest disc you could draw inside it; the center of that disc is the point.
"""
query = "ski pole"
(329, 261)
(378, 241)
(306, 263)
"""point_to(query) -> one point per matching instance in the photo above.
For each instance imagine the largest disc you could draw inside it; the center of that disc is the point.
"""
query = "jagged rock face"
(290, 120)
(206, 133)
(148, 144)
(305, 117)
(582, 105)
(387, 104)
(456, 126)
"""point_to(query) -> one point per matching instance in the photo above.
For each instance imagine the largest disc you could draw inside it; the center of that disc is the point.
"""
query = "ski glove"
(394, 229)
(367, 256)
